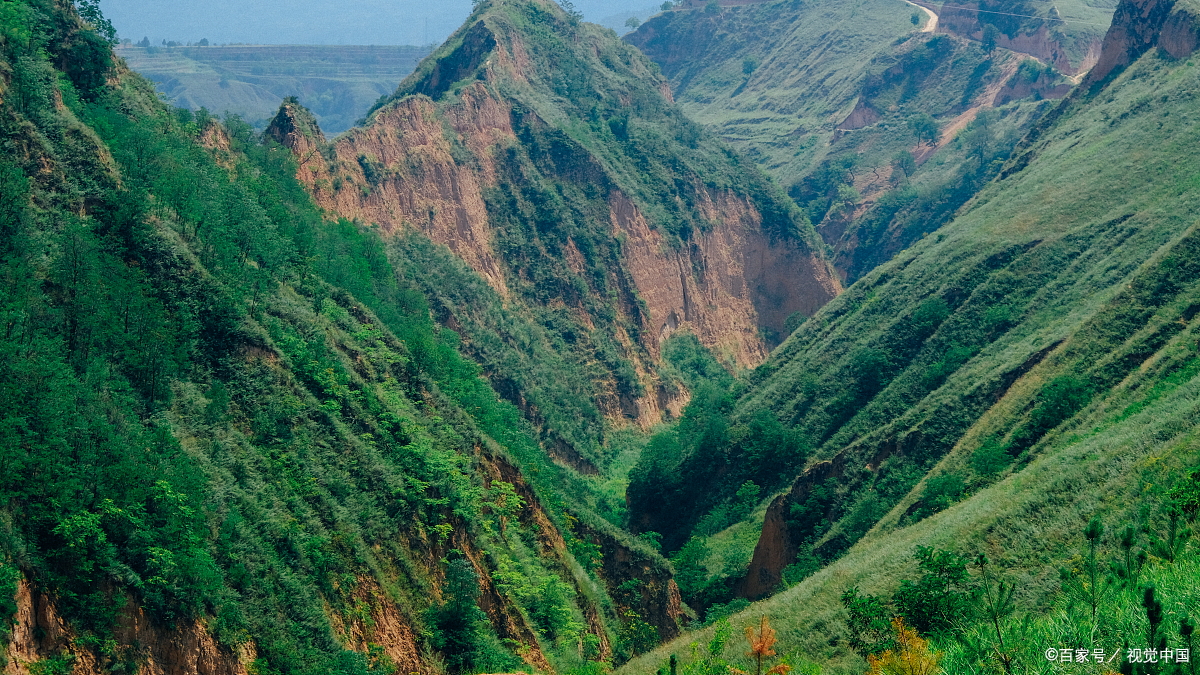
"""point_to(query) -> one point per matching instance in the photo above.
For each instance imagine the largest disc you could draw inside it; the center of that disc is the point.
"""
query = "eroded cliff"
(546, 156)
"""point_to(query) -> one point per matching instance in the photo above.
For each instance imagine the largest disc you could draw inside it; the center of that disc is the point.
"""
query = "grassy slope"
(337, 83)
(1074, 251)
(811, 58)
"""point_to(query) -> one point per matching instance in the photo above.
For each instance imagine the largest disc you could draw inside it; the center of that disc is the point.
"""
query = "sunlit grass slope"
(1034, 361)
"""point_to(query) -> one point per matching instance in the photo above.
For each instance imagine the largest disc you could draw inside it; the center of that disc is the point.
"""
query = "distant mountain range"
(338, 83)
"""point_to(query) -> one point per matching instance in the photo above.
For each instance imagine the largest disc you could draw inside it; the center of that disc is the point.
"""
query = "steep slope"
(994, 387)
(826, 96)
(1066, 35)
(548, 157)
(234, 440)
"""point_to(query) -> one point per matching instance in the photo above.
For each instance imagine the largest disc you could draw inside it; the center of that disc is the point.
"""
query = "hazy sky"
(362, 22)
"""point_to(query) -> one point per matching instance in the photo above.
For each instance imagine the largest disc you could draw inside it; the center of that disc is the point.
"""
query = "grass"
(1077, 263)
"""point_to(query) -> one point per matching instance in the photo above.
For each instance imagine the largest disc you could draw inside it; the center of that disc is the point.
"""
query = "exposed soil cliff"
(39, 633)
(777, 548)
(382, 628)
(1069, 54)
(637, 582)
(1139, 25)
(428, 164)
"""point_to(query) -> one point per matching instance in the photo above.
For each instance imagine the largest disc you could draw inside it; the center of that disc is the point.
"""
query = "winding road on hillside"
(930, 25)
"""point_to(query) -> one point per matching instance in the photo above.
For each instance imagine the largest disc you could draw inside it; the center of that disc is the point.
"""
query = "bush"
(939, 597)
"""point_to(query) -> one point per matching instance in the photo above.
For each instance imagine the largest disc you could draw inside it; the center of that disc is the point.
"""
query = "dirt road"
(930, 25)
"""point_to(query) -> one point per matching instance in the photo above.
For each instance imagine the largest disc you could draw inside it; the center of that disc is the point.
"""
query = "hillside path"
(931, 25)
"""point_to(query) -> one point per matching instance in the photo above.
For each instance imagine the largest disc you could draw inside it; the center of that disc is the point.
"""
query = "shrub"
(940, 596)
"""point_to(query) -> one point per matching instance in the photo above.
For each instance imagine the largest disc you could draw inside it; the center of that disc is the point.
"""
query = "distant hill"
(338, 83)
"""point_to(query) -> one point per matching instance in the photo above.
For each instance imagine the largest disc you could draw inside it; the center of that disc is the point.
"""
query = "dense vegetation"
(246, 417)
(229, 409)
(1023, 371)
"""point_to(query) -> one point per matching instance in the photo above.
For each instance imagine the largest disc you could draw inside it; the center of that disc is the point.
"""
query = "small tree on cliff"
(990, 35)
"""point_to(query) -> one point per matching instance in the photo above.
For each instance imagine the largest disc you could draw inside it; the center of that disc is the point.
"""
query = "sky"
(358, 22)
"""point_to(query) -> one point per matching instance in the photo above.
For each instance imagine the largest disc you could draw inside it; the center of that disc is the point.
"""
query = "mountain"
(338, 83)
(993, 389)
(824, 96)
(487, 383)
(235, 439)
(547, 155)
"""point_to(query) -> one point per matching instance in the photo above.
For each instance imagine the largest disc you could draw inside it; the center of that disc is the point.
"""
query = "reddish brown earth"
(963, 20)
(39, 632)
(730, 282)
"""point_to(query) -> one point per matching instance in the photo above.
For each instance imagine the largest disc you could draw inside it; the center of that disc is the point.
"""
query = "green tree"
(504, 502)
(915, 19)
(666, 6)
(940, 596)
(997, 601)
(925, 128)
(1086, 584)
(632, 23)
(749, 65)
(990, 36)
(869, 622)
(712, 7)
(89, 10)
(905, 163)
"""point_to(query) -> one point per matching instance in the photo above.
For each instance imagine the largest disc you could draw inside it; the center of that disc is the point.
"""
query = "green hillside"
(231, 424)
(825, 97)
(482, 385)
(338, 83)
(990, 390)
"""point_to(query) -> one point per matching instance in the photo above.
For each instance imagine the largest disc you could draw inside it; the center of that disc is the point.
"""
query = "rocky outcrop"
(40, 633)
(1140, 25)
(637, 581)
(425, 163)
(776, 547)
(963, 19)
(1045, 86)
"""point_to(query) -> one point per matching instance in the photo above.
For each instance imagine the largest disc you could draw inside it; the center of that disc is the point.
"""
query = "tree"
(666, 6)
(1086, 584)
(905, 163)
(504, 502)
(89, 10)
(203, 42)
(997, 604)
(749, 64)
(632, 23)
(915, 19)
(925, 128)
(990, 35)
(145, 42)
(870, 632)
(712, 7)
(938, 597)
(761, 646)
